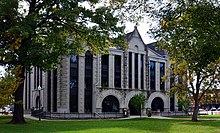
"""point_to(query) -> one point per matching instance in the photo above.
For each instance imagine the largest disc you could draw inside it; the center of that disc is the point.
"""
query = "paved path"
(155, 117)
(131, 117)
(31, 117)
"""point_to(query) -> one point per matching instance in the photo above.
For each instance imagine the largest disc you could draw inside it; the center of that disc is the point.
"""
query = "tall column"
(122, 71)
(111, 71)
(99, 70)
(25, 92)
(125, 62)
(157, 67)
(133, 70)
(96, 80)
(63, 86)
(44, 85)
(45, 81)
(32, 88)
(146, 69)
(81, 84)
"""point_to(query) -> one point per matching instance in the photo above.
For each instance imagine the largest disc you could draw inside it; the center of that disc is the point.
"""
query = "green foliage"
(138, 102)
(185, 104)
(189, 32)
(8, 86)
(40, 34)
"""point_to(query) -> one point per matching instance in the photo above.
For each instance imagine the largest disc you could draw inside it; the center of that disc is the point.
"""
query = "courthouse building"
(102, 83)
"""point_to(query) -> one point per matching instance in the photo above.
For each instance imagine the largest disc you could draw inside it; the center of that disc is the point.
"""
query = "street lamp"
(39, 89)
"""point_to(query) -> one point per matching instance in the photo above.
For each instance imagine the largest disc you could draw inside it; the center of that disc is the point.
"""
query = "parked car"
(203, 112)
(218, 109)
(213, 109)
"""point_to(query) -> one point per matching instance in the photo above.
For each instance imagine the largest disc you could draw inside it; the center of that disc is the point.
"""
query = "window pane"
(152, 75)
(117, 71)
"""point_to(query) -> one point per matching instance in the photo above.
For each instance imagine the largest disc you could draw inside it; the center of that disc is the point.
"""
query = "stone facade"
(55, 95)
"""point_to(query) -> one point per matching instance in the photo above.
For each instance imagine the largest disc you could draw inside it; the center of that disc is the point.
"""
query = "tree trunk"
(195, 111)
(18, 114)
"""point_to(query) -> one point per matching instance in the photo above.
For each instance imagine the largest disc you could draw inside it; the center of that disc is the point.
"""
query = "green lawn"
(111, 126)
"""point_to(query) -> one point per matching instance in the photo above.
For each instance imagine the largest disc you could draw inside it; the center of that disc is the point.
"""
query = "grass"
(111, 126)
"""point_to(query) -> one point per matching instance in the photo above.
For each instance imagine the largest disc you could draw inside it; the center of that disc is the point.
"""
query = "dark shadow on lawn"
(146, 125)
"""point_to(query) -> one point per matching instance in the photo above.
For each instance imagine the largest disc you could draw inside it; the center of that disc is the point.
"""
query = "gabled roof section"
(129, 35)
(152, 46)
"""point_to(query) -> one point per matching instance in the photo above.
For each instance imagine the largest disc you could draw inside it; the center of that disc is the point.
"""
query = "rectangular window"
(74, 83)
(172, 102)
(29, 90)
(26, 88)
(41, 76)
(118, 71)
(38, 77)
(162, 73)
(136, 70)
(152, 75)
(49, 91)
(35, 78)
(142, 71)
(88, 82)
(130, 69)
(105, 63)
(55, 90)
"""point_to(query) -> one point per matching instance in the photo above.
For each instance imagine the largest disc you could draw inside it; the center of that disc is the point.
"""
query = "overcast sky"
(143, 28)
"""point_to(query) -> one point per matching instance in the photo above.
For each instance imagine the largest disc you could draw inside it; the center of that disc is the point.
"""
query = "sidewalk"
(154, 117)
(131, 117)
(31, 117)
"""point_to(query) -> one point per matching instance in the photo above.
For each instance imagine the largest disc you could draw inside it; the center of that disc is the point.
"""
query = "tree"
(8, 85)
(185, 104)
(137, 102)
(39, 34)
(189, 32)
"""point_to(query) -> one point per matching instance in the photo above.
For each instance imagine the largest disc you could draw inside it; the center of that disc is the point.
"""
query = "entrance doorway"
(157, 104)
(133, 110)
(110, 104)
(37, 102)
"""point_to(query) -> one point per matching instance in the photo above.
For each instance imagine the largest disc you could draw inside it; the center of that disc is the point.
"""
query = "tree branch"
(203, 93)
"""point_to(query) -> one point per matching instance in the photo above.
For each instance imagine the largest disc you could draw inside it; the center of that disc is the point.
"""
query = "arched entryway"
(133, 110)
(157, 104)
(110, 104)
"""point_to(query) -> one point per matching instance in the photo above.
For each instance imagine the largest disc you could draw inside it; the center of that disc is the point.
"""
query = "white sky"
(143, 28)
